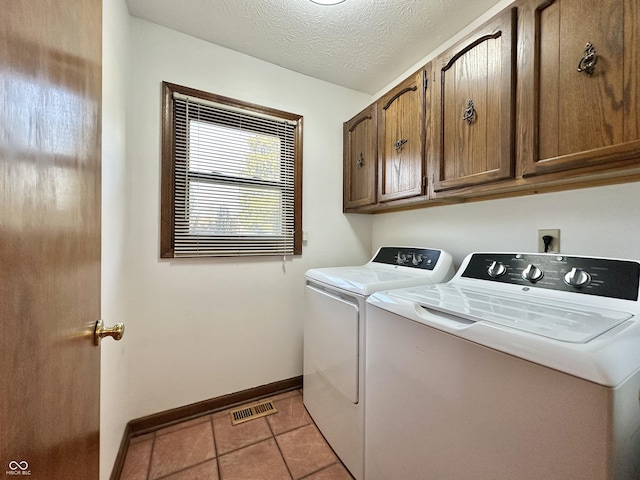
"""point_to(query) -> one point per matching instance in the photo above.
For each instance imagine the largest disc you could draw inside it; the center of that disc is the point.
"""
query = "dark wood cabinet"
(473, 107)
(401, 140)
(579, 84)
(360, 159)
(544, 96)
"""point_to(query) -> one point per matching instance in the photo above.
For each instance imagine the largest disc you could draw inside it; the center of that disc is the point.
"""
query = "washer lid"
(564, 321)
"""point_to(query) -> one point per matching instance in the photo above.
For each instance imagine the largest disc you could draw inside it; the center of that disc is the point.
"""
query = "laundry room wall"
(114, 378)
(201, 328)
(599, 221)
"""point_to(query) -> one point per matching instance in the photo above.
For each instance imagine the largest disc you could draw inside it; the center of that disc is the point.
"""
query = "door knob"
(117, 331)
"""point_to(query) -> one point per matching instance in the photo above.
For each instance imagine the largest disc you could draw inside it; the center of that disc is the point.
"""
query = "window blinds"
(234, 181)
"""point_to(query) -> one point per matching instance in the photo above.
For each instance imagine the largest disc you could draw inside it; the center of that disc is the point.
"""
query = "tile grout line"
(337, 462)
(215, 457)
(275, 440)
(312, 424)
(273, 435)
(176, 428)
(217, 454)
(184, 469)
(245, 446)
(215, 446)
(153, 446)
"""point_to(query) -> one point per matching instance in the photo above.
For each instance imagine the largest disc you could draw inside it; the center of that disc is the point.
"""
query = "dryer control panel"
(424, 258)
(589, 275)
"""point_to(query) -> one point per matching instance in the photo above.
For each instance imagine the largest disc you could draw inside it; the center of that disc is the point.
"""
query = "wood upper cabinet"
(545, 94)
(572, 116)
(401, 140)
(360, 159)
(473, 107)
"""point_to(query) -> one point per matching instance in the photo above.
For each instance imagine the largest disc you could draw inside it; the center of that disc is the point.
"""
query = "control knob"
(532, 273)
(416, 259)
(496, 269)
(577, 277)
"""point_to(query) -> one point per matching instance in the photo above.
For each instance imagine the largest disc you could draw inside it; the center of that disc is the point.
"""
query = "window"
(231, 177)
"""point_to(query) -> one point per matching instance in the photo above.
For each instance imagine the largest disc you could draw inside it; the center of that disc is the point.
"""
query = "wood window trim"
(167, 202)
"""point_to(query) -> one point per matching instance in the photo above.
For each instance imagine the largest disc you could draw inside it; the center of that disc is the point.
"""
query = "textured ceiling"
(359, 44)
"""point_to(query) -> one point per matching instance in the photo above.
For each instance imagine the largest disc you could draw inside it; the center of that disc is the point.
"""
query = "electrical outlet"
(554, 246)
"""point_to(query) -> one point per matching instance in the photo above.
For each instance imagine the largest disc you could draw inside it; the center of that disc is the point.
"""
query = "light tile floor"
(283, 446)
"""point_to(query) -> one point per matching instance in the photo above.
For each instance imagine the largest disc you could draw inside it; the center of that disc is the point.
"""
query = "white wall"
(114, 395)
(601, 221)
(201, 328)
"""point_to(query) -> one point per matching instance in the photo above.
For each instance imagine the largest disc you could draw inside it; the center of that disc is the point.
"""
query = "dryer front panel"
(331, 338)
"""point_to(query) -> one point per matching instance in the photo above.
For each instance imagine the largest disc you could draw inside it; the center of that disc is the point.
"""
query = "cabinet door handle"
(469, 112)
(360, 161)
(588, 62)
(398, 145)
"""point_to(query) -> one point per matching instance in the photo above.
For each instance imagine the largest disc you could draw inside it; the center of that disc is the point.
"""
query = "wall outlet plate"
(554, 247)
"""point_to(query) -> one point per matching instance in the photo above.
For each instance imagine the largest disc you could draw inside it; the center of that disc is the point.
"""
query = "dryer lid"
(369, 278)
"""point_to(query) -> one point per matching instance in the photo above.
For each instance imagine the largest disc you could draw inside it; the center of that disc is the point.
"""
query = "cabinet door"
(473, 101)
(401, 140)
(578, 117)
(360, 156)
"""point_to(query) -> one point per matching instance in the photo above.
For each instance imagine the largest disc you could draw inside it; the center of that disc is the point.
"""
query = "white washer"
(334, 336)
(522, 366)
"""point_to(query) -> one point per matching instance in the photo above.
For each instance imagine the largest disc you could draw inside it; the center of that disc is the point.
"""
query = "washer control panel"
(425, 258)
(592, 276)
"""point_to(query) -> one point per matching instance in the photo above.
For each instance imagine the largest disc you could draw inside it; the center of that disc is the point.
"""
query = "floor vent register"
(244, 414)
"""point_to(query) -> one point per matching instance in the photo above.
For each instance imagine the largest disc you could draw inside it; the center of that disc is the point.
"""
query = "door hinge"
(424, 182)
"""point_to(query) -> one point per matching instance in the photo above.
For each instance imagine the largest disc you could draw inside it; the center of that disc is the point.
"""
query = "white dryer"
(334, 338)
(523, 366)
